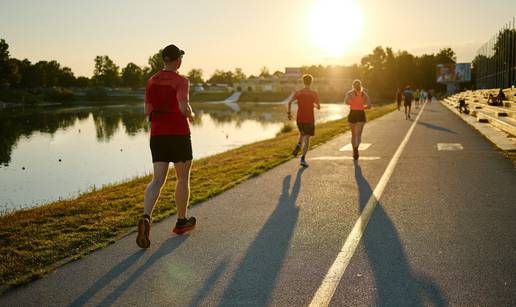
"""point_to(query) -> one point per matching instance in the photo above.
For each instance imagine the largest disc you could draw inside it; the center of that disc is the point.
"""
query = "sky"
(250, 34)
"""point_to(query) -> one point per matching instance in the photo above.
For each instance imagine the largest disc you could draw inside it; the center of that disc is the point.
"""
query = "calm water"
(58, 153)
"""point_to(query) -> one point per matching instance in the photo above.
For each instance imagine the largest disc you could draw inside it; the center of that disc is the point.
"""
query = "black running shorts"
(171, 148)
(306, 128)
(356, 116)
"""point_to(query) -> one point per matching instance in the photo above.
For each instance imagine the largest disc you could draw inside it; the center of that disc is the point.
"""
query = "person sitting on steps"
(463, 106)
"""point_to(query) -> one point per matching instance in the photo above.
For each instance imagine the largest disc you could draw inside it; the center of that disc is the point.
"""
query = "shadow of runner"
(208, 284)
(255, 279)
(166, 248)
(435, 127)
(396, 284)
(106, 279)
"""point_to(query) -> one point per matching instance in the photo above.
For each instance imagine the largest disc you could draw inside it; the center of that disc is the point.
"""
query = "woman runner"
(358, 101)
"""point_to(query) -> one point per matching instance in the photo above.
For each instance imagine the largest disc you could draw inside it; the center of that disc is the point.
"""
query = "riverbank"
(35, 241)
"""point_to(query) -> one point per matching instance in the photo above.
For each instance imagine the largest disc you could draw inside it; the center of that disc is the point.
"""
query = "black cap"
(171, 53)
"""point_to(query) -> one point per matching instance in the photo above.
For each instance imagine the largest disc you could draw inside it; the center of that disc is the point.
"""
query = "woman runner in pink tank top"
(358, 101)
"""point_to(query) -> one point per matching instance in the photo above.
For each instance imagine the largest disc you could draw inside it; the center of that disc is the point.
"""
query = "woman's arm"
(368, 101)
(346, 100)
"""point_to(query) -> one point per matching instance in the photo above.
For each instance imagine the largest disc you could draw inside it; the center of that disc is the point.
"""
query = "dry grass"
(34, 241)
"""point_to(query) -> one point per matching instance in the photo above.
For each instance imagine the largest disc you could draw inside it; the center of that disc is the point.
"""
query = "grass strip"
(35, 241)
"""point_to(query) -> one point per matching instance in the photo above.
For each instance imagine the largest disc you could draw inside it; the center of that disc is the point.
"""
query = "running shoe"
(296, 150)
(142, 240)
(184, 225)
(303, 163)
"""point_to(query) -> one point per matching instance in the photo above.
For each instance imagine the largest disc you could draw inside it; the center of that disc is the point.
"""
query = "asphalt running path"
(443, 233)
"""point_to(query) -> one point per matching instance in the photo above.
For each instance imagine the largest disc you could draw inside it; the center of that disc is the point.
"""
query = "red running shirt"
(163, 92)
(306, 100)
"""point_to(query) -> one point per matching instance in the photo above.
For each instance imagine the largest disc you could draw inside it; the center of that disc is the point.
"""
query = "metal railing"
(495, 63)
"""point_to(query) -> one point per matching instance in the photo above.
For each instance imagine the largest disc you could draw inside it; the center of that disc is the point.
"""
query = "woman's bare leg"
(359, 129)
(353, 134)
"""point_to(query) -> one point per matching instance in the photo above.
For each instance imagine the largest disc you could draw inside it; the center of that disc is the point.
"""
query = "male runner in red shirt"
(306, 99)
(166, 104)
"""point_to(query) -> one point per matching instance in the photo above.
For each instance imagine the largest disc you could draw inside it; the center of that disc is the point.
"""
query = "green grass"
(34, 241)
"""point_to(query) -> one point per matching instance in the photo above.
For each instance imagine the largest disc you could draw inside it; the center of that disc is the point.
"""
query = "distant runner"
(358, 101)
(399, 97)
(306, 99)
(417, 96)
(424, 96)
(166, 104)
(408, 95)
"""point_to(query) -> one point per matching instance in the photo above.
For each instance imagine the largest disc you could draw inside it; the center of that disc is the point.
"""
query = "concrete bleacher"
(502, 118)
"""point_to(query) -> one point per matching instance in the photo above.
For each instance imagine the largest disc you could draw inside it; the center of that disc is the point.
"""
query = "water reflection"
(15, 124)
(77, 148)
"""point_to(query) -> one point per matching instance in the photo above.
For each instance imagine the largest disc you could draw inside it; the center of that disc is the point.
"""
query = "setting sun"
(335, 24)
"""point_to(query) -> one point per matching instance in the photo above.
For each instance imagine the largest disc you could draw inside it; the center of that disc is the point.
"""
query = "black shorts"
(306, 128)
(171, 148)
(356, 116)
(407, 103)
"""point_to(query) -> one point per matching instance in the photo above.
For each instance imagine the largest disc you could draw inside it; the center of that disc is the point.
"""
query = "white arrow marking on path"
(362, 146)
(449, 146)
(332, 279)
(343, 158)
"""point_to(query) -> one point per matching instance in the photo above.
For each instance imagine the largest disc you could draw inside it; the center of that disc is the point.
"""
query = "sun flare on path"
(335, 25)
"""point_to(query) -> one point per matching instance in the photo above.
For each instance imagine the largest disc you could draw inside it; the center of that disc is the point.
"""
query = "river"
(56, 153)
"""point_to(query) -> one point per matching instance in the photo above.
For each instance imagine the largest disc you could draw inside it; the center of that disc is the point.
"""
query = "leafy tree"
(106, 72)
(222, 77)
(82, 82)
(239, 74)
(8, 70)
(195, 76)
(156, 63)
(132, 76)
(446, 56)
(264, 72)
(66, 78)
(49, 73)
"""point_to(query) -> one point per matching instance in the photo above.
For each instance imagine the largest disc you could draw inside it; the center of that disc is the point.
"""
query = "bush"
(287, 127)
(19, 96)
(97, 94)
(58, 94)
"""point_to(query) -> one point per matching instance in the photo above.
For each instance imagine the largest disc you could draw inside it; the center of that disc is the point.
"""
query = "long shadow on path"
(436, 127)
(396, 284)
(165, 249)
(107, 278)
(256, 277)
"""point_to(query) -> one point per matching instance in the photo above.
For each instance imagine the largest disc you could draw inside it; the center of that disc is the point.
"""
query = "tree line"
(382, 70)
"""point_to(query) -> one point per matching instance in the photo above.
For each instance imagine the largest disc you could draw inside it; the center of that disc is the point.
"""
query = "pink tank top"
(357, 101)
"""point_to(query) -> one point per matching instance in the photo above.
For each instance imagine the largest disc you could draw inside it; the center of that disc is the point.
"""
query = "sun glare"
(335, 25)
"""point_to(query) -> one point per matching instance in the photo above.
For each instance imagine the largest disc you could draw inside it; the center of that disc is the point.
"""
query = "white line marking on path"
(362, 146)
(332, 279)
(342, 158)
(449, 146)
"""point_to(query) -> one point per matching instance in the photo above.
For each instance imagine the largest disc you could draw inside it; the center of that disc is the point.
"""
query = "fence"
(495, 63)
